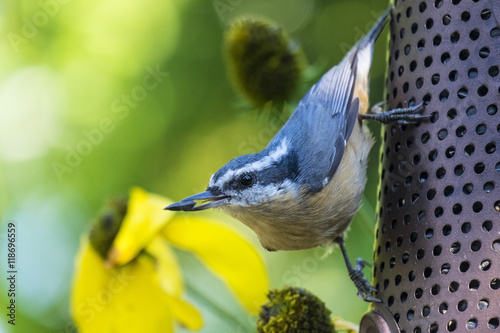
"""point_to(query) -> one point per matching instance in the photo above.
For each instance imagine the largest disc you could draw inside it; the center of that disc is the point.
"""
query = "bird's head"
(247, 181)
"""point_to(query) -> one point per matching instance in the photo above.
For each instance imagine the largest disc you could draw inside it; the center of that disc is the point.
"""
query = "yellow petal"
(167, 268)
(344, 325)
(186, 314)
(170, 279)
(124, 299)
(145, 217)
(226, 253)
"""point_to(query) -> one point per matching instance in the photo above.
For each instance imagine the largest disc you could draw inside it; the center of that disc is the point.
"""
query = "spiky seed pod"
(265, 63)
(294, 310)
(106, 226)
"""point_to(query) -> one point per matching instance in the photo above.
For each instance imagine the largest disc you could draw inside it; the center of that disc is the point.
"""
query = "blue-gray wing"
(319, 128)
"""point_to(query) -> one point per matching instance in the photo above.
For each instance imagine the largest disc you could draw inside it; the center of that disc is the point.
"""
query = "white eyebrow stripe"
(261, 164)
(227, 176)
(265, 162)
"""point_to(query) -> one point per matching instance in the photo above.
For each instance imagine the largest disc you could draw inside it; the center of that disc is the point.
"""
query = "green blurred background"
(83, 119)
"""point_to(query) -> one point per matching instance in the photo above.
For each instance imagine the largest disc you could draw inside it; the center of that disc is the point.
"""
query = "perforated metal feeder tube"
(437, 248)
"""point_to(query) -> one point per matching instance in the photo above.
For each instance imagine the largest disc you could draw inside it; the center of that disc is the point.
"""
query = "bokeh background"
(97, 96)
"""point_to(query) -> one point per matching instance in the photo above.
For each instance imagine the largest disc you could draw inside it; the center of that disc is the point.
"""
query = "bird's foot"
(401, 116)
(365, 289)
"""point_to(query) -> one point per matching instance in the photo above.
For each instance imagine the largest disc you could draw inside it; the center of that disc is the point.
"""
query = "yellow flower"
(127, 278)
(226, 254)
(344, 325)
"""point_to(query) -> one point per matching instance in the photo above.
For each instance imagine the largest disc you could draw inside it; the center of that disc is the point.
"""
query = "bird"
(304, 188)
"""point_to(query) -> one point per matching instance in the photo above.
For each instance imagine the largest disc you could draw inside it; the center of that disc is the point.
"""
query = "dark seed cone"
(106, 226)
(294, 310)
(265, 64)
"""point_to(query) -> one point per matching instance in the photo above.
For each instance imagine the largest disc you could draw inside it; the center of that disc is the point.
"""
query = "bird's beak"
(189, 204)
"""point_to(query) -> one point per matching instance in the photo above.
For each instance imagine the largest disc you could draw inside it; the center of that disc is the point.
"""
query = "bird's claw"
(362, 263)
(365, 289)
(401, 116)
(369, 298)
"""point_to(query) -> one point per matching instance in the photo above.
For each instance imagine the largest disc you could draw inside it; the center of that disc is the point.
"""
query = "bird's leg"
(402, 116)
(365, 289)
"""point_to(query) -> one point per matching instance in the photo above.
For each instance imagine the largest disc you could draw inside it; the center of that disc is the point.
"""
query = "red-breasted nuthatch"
(304, 188)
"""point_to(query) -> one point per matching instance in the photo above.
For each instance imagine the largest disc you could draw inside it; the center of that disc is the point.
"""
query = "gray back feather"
(319, 128)
(322, 124)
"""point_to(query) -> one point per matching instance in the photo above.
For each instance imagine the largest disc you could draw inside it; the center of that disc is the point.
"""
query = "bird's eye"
(246, 180)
